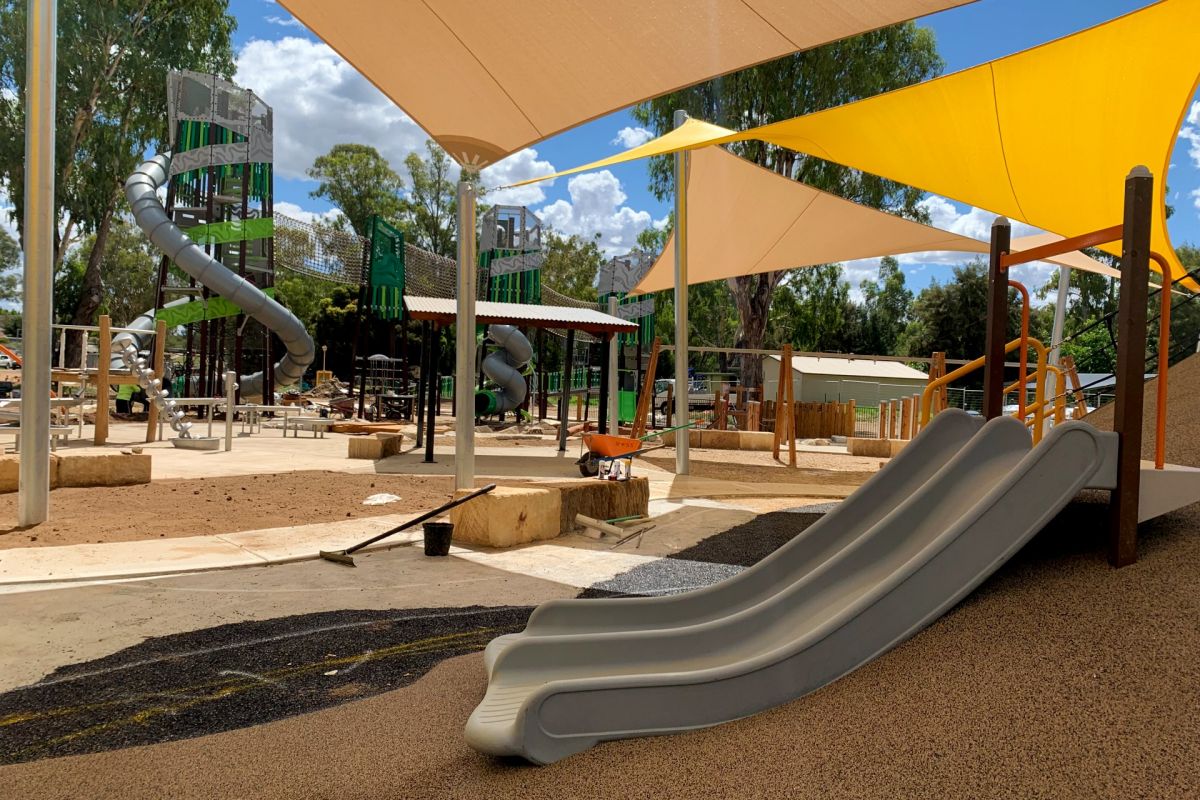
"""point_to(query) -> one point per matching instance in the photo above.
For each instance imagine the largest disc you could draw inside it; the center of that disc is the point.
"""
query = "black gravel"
(232, 676)
(247, 673)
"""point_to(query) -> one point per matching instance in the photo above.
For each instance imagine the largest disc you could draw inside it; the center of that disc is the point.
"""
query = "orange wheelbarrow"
(599, 447)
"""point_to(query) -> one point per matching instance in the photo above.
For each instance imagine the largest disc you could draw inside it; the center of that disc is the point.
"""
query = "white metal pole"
(681, 304)
(33, 501)
(231, 403)
(464, 342)
(614, 347)
(1056, 331)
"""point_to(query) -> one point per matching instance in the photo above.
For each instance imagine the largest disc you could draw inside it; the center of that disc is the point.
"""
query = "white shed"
(818, 379)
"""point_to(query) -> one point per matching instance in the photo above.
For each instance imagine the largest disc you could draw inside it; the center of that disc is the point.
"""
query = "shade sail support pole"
(1056, 332)
(464, 344)
(33, 500)
(614, 384)
(681, 303)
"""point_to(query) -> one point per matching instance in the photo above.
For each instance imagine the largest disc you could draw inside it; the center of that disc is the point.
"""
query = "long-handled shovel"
(343, 556)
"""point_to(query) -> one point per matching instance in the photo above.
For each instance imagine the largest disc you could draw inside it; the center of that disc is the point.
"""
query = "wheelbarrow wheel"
(589, 467)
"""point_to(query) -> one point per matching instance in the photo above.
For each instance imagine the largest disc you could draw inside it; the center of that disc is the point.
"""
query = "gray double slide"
(910, 543)
(141, 191)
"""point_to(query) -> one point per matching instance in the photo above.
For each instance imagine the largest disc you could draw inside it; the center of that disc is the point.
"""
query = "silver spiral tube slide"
(504, 367)
(141, 191)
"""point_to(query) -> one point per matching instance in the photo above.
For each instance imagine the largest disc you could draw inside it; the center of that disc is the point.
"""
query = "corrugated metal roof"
(488, 312)
(854, 368)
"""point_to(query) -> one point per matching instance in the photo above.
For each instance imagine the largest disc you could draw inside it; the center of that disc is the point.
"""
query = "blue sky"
(319, 100)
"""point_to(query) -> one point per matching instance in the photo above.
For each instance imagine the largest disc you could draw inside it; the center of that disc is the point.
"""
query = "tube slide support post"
(464, 363)
(1130, 374)
(614, 349)
(997, 320)
(231, 388)
(681, 302)
(41, 33)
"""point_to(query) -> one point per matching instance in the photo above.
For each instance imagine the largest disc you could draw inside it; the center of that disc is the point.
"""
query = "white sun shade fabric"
(743, 220)
(485, 79)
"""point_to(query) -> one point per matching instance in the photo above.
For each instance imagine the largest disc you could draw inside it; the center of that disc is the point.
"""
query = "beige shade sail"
(1045, 136)
(743, 220)
(486, 79)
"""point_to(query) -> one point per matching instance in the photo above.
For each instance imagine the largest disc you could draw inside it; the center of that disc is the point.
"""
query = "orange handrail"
(966, 369)
(1024, 352)
(1059, 400)
(1164, 353)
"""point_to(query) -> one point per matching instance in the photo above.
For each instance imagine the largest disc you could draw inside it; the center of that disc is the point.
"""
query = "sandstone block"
(109, 469)
(507, 516)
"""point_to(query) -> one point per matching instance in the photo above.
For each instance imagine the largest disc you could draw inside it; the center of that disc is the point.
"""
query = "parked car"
(6, 362)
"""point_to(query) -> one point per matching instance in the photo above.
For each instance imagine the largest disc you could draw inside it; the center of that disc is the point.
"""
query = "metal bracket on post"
(997, 320)
(1130, 373)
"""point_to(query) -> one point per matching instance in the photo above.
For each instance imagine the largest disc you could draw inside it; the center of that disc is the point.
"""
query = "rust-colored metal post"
(1130, 374)
(997, 320)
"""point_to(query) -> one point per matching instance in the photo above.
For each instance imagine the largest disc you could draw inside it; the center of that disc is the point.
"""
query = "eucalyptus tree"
(802, 83)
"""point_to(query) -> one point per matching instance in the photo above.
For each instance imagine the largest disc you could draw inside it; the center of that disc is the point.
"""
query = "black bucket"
(437, 538)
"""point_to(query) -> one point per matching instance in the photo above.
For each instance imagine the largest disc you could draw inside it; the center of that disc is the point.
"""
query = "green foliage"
(802, 83)
(886, 305)
(571, 265)
(304, 296)
(952, 317)
(10, 268)
(358, 179)
(128, 274)
(812, 311)
(432, 206)
(1093, 351)
(111, 106)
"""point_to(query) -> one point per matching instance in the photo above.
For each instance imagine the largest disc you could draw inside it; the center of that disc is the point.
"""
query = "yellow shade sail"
(1045, 136)
(743, 220)
(486, 79)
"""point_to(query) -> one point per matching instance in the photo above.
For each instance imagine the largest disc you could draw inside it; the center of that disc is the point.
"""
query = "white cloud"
(286, 22)
(1191, 132)
(319, 101)
(1195, 195)
(629, 137)
(596, 207)
(975, 223)
(298, 212)
(521, 165)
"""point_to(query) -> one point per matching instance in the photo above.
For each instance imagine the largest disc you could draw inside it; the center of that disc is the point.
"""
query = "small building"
(820, 379)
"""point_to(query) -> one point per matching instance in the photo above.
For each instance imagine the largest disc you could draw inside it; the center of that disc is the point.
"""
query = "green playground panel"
(387, 270)
(214, 307)
(240, 230)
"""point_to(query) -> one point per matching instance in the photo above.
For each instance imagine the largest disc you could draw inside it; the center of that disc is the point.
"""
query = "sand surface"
(196, 507)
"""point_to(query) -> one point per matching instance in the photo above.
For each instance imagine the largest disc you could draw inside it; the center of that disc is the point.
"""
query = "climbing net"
(319, 250)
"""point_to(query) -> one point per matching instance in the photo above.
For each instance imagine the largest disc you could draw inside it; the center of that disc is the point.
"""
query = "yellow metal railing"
(1039, 392)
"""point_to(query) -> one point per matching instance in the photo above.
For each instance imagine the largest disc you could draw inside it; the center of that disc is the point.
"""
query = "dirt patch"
(201, 506)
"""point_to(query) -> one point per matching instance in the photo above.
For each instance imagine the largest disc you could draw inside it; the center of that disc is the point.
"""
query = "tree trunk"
(92, 295)
(752, 294)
